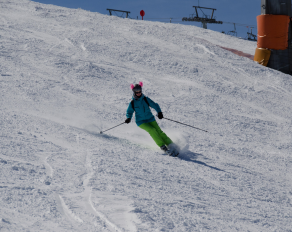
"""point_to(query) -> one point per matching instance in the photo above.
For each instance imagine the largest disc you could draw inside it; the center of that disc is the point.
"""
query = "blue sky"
(241, 12)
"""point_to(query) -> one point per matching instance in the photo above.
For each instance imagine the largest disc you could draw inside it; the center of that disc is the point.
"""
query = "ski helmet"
(137, 87)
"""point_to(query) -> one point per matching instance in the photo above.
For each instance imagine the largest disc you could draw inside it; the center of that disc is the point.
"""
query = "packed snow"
(65, 75)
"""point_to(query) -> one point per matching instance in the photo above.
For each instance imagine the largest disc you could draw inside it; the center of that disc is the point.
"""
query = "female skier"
(146, 121)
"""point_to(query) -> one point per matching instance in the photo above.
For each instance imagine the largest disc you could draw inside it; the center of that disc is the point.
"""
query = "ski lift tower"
(204, 19)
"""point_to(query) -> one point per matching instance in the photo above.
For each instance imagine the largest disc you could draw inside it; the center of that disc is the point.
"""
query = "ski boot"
(174, 149)
(166, 150)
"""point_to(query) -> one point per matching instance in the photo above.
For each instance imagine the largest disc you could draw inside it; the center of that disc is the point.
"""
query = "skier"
(146, 121)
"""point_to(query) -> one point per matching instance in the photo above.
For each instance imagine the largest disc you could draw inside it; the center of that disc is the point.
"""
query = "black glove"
(160, 115)
(128, 120)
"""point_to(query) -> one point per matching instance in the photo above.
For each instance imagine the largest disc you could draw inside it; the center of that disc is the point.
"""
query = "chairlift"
(250, 35)
(233, 33)
(122, 11)
(204, 19)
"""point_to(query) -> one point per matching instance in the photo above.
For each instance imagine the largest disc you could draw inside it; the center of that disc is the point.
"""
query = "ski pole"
(111, 128)
(185, 124)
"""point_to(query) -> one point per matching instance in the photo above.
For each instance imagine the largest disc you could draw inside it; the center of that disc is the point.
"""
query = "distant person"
(146, 121)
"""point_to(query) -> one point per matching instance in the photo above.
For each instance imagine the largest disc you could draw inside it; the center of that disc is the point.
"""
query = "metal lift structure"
(234, 32)
(123, 11)
(205, 19)
(251, 36)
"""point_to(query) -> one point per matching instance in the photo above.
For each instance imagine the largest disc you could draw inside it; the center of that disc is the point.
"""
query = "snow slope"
(65, 76)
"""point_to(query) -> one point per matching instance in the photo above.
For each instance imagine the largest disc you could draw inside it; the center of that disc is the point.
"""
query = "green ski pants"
(159, 137)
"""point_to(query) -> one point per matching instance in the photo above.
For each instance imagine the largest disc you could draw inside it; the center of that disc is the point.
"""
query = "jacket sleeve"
(154, 105)
(130, 111)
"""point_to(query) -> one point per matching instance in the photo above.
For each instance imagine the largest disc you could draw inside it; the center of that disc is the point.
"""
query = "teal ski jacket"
(142, 111)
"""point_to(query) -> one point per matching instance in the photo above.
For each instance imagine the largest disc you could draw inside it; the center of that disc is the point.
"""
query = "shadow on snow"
(192, 157)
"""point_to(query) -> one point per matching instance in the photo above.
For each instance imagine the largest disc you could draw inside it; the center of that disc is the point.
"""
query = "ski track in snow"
(68, 212)
(88, 193)
(43, 159)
